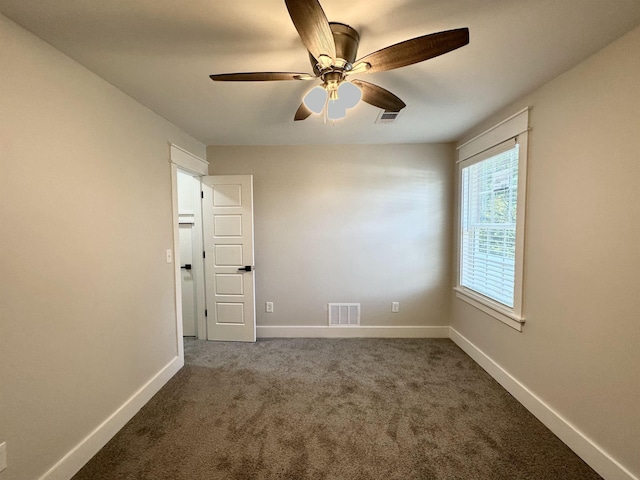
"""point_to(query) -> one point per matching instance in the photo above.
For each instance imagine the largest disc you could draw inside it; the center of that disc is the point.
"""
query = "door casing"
(197, 167)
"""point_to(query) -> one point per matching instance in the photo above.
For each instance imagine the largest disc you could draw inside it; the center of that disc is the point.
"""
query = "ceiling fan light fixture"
(349, 94)
(315, 99)
(332, 89)
(345, 96)
(336, 96)
(336, 110)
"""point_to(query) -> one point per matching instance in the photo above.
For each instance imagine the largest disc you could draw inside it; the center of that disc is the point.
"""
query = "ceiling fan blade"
(260, 76)
(379, 97)
(313, 27)
(302, 112)
(415, 50)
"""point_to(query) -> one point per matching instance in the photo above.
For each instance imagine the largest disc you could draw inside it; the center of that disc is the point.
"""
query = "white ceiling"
(161, 52)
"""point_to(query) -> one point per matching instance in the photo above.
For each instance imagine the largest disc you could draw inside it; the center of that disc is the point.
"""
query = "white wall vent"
(387, 116)
(344, 314)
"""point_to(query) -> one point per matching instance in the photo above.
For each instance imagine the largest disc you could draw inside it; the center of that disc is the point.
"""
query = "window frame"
(474, 151)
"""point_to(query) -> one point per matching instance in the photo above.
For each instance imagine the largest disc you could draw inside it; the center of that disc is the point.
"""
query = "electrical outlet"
(268, 307)
(169, 256)
(395, 307)
(3, 456)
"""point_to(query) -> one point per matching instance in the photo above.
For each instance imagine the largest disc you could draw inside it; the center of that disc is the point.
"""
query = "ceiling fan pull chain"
(325, 110)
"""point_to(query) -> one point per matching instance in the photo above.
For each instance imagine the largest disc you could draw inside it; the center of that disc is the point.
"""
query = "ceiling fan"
(332, 50)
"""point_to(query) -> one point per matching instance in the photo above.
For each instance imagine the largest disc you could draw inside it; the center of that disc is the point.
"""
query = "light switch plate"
(169, 256)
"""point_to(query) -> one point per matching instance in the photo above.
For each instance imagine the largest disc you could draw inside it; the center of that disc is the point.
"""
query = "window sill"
(490, 308)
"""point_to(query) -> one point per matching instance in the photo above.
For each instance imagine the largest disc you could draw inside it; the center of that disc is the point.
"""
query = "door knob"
(248, 268)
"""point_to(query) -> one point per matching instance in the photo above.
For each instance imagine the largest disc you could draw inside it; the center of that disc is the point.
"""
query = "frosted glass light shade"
(336, 110)
(315, 99)
(349, 95)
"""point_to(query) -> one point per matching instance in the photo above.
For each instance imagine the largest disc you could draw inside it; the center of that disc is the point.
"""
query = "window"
(491, 220)
(488, 226)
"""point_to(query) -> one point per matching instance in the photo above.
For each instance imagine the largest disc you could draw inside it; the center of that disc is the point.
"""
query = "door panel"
(230, 313)
(228, 255)
(229, 284)
(228, 243)
(227, 225)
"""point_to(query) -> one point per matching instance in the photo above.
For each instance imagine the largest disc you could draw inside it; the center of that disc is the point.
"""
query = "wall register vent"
(344, 314)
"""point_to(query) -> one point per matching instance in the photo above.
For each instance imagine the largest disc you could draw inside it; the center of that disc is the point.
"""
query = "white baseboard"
(582, 445)
(73, 461)
(352, 332)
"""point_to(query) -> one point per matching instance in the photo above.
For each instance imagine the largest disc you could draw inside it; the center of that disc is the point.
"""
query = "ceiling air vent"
(387, 116)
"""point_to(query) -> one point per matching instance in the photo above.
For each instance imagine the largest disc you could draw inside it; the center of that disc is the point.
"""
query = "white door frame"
(193, 165)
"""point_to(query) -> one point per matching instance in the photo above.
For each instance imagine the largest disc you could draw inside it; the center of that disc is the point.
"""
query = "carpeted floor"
(333, 409)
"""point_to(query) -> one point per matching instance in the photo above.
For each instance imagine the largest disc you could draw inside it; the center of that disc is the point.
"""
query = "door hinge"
(204, 254)
(201, 194)
(205, 312)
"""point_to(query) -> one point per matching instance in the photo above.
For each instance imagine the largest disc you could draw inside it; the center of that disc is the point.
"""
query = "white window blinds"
(489, 197)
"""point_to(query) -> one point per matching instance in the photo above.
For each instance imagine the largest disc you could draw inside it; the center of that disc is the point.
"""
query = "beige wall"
(580, 349)
(85, 217)
(353, 223)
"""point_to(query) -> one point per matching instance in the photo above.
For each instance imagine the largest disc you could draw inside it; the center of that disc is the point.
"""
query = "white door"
(187, 280)
(227, 209)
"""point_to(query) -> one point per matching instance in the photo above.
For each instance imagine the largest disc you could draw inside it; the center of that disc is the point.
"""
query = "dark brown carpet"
(333, 409)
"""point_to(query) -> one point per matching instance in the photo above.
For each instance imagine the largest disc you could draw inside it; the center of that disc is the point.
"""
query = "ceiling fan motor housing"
(346, 40)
